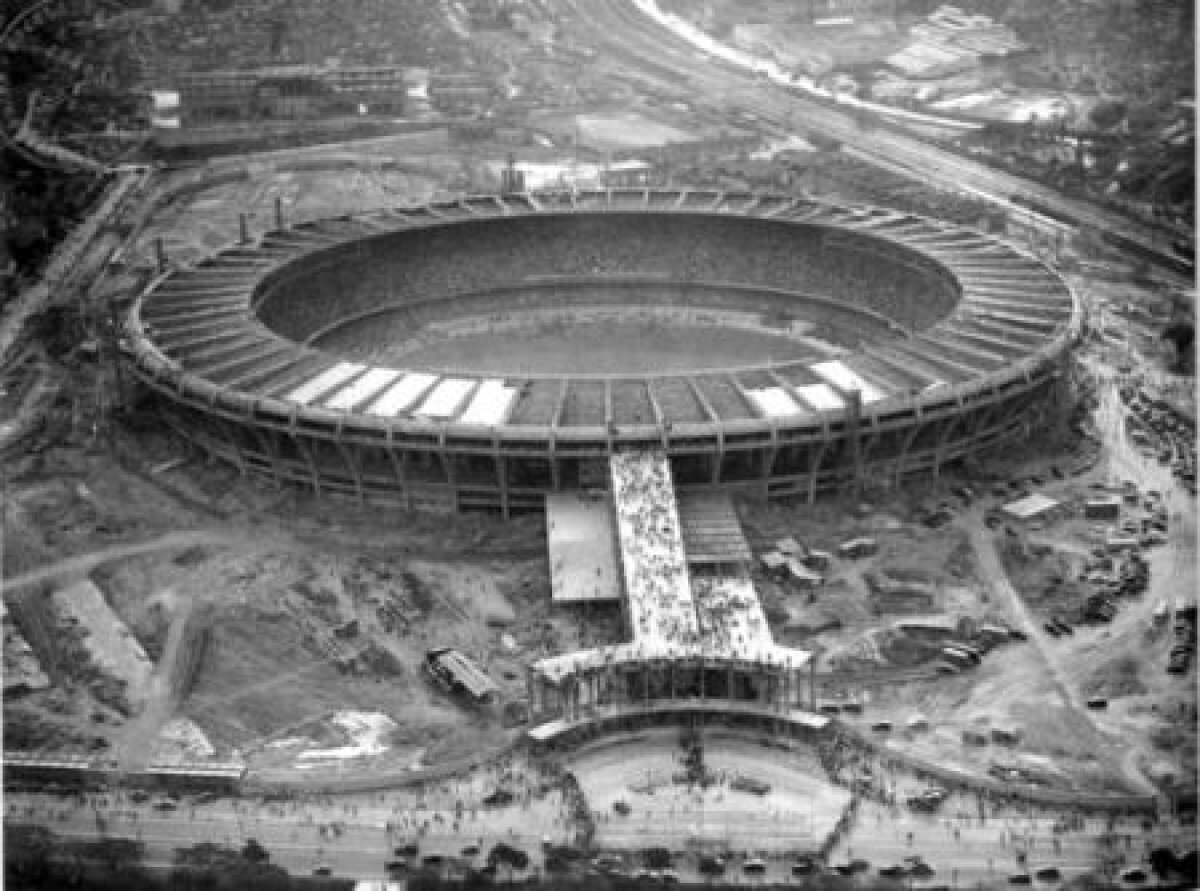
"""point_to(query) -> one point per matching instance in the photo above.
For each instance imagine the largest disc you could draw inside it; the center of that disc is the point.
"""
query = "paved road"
(956, 842)
(299, 834)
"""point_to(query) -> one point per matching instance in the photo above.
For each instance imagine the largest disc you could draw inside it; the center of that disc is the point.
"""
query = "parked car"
(754, 867)
(498, 798)
(804, 866)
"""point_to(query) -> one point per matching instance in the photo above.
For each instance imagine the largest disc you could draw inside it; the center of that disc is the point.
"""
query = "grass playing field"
(599, 347)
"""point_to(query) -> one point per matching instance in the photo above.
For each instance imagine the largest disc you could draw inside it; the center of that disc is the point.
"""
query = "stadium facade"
(266, 354)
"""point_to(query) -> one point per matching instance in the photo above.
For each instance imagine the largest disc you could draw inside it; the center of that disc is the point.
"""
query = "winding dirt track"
(82, 564)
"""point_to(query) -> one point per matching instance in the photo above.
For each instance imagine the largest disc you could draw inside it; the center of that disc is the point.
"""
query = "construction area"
(1014, 624)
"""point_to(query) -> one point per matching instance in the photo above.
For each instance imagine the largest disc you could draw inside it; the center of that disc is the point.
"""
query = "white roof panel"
(402, 395)
(362, 389)
(327, 380)
(820, 397)
(490, 404)
(446, 398)
(846, 378)
(775, 402)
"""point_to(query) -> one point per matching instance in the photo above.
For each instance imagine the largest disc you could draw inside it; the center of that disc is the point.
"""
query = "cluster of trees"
(36, 859)
(40, 207)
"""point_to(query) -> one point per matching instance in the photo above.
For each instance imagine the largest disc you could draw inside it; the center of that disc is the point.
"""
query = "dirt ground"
(322, 609)
(317, 608)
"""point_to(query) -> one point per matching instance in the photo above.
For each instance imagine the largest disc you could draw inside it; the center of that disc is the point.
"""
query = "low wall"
(957, 777)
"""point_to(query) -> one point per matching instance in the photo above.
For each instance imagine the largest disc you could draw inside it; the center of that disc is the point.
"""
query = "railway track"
(627, 34)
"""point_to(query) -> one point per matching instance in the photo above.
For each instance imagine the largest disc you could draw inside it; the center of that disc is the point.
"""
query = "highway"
(624, 33)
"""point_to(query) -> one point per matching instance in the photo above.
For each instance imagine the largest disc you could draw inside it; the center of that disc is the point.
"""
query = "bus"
(457, 674)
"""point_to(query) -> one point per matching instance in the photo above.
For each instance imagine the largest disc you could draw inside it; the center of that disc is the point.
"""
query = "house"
(1031, 508)
(1102, 509)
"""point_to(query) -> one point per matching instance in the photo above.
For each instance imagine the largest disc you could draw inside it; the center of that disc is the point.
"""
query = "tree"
(119, 853)
(1188, 867)
(657, 858)
(1107, 115)
(1162, 862)
(27, 854)
(508, 855)
(253, 852)
(211, 866)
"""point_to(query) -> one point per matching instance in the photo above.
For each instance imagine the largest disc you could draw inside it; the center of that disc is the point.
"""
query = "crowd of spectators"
(428, 263)
(732, 623)
(656, 576)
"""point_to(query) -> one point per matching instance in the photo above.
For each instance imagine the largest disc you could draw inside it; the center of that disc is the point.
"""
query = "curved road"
(85, 563)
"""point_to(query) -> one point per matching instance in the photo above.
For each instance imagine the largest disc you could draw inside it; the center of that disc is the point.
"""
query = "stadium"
(478, 354)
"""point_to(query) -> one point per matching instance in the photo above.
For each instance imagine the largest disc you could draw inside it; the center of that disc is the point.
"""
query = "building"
(1103, 509)
(288, 92)
(1032, 508)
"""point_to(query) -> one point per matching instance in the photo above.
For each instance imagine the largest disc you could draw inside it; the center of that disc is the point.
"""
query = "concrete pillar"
(943, 440)
(243, 229)
(814, 468)
(397, 466)
(278, 212)
(230, 433)
(502, 482)
(160, 255)
(350, 457)
(902, 457)
(854, 423)
(313, 471)
(533, 691)
(768, 462)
